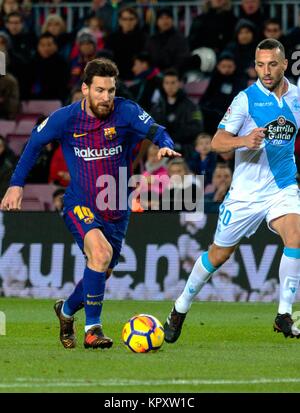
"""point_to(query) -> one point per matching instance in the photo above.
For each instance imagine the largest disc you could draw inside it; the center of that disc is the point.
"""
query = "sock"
(74, 302)
(93, 290)
(289, 275)
(87, 327)
(200, 274)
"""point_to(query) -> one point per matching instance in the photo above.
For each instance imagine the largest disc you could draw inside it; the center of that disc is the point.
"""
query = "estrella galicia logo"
(280, 131)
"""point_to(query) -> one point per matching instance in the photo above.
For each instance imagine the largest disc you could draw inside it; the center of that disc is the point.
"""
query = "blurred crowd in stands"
(185, 82)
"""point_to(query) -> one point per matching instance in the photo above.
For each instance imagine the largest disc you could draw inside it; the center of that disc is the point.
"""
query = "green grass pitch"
(224, 347)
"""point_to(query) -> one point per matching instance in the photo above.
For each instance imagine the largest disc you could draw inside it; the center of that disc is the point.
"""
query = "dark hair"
(99, 67)
(14, 14)
(57, 192)
(171, 72)
(270, 44)
(165, 11)
(47, 35)
(144, 57)
(273, 20)
(129, 10)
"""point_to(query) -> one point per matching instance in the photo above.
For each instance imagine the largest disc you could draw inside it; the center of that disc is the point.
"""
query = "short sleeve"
(235, 115)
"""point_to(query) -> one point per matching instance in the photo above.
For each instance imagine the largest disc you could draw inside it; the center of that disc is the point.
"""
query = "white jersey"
(264, 172)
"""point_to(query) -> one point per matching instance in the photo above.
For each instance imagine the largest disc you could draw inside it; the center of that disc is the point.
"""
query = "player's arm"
(146, 128)
(224, 141)
(47, 131)
(227, 136)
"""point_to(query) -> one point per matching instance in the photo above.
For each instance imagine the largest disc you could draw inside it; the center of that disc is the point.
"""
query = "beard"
(273, 86)
(101, 111)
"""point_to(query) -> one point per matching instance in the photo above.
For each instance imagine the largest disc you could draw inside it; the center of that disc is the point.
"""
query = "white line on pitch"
(43, 382)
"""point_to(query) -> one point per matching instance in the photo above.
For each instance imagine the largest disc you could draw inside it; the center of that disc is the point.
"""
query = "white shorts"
(238, 219)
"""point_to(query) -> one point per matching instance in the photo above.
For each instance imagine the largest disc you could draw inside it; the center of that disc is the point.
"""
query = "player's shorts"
(80, 220)
(238, 219)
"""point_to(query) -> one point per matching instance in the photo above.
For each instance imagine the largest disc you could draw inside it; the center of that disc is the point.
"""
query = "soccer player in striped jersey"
(97, 135)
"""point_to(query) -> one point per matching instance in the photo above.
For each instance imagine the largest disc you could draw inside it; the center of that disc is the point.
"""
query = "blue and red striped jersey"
(94, 148)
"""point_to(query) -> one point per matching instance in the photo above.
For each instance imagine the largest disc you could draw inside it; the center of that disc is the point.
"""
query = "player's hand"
(167, 152)
(255, 138)
(12, 199)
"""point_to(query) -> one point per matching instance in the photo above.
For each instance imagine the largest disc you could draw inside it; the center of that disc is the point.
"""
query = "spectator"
(168, 47)
(154, 170)
(49, 71)
(59, 173)
(272, 29)
(216, 191)
(126, 42)
(224, 85)
(7, 7)
(56, 25)
(106, 12)
(177, 113)
(184, 190)
(76, 95)
(214, 27)
(203, 161)
(87, 51)
(251, 10)
(58, 200)
(15, 65)
(243, 48)
(9, 97)
(147, 80)
(6, 166)
(96, 26)
(156, 174)
(22, 43)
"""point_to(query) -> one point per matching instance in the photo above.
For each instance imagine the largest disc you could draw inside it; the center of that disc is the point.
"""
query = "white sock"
(63, 313)
(200, 274)
(289, 275)
(86, 328)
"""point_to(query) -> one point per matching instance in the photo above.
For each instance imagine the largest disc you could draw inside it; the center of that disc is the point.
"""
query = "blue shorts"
(80, 220)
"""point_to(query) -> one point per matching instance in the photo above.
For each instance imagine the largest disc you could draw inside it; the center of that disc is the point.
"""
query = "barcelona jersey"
(95, 149)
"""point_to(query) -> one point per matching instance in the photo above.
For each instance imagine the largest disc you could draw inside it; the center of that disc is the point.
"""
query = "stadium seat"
(32, 204)
(6, 127)
(25, 126)
(195, 90)
(38, 195)
(27, 116)
(42, 107)
(17, 142)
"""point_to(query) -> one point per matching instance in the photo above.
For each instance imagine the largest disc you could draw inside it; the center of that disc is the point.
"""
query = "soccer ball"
(143, 333)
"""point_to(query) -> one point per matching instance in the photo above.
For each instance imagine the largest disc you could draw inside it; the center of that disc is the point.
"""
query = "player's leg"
(202, 271)
(288, 227)
(99, 253)
(102, 250)
(236, 219)
(76, 300)
(79, 226)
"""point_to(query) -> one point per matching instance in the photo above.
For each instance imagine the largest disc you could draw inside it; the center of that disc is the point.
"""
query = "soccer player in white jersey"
(260, 125)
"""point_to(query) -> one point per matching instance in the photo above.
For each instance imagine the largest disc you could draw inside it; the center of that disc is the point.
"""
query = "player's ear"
(84, 89)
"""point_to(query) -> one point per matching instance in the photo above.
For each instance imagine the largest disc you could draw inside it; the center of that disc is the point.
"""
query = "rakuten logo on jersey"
(90, 154)
(280, 131)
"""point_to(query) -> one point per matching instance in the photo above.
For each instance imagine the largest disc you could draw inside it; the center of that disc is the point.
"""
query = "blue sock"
(75, 301)
(93, 289)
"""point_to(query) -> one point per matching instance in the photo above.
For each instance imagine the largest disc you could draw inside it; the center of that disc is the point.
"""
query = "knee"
(99, 259)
